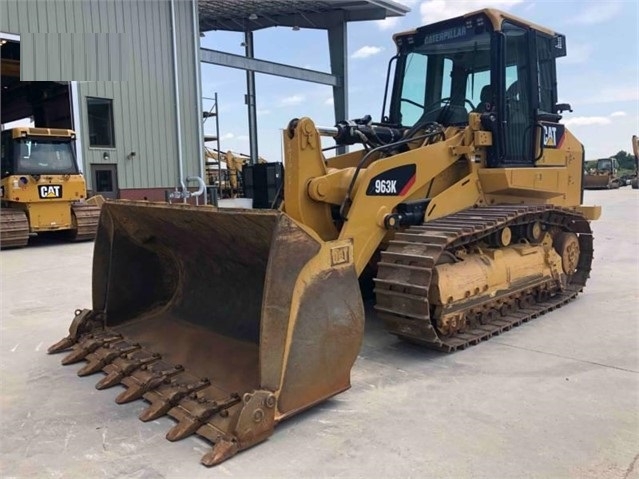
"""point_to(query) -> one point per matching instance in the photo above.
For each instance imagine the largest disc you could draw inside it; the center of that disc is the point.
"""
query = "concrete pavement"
(557, 397)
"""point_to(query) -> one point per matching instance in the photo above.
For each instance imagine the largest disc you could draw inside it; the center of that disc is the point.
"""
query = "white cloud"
(615, 94)
(329, 101)
(436, 10)
(292, 100)
(597, 12)
(366, 51)
(227, 136)
(579, 53)
(618, 113)
(389, 23)
(594, 120)
(587, 120)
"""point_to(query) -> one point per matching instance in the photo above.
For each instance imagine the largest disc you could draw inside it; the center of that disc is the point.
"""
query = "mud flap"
(227, 320)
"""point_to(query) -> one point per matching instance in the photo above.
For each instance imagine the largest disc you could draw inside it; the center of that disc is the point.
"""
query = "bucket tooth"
(86, 347)
(62, 345)
(99, 359)
(84, 321)
(192, 422)
(117, 372)
(220, 452)
(136, 387)
(110, 380)
(164, 399)
(198, 416)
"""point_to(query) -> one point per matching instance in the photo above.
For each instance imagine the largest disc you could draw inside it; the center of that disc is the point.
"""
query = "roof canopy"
(248, 15)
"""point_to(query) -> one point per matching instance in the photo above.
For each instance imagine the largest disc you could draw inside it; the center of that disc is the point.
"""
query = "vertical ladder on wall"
(214, 139)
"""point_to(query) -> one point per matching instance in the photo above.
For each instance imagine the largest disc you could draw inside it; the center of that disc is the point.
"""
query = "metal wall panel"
(85, 56)
(126, 45)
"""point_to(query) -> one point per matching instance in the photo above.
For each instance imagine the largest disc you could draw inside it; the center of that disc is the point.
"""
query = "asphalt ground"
(556, 397)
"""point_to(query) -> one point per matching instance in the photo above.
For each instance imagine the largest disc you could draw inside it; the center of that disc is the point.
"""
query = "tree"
(626, 160)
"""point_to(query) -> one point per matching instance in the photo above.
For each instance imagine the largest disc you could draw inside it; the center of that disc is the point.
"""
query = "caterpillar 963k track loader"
(465, 200)
(42, 187)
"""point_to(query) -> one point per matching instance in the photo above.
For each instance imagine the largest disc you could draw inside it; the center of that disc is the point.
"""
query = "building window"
(100, 112)
(103, 181)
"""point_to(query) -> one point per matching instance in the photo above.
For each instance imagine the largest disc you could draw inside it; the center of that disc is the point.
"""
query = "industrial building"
(126, 76)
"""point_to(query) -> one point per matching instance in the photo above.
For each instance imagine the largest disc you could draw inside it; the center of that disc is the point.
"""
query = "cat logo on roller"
(48, 192)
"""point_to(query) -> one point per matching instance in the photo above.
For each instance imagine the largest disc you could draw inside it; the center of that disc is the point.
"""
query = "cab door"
(549, 133)
(520, 121)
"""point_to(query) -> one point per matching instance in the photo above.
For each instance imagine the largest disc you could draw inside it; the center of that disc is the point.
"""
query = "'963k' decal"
(394, 182)
(47, 192)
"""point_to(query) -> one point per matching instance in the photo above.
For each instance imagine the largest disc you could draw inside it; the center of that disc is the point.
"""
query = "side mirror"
(561, 107)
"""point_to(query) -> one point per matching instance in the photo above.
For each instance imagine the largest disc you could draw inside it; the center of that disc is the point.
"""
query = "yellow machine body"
(232, 320)
(486, 273)
(47, 200)
(42, 188)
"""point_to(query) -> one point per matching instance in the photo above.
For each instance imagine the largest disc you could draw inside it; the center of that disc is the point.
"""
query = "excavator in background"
(464, 202)
(230, 183)
(603, 175)
(634, 181)
(42, 187)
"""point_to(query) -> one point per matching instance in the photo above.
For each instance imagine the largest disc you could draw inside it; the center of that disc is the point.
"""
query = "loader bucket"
(227, 320)
(595, 182)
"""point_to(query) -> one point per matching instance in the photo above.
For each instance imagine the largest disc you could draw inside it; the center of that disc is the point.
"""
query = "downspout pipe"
(201, 190)
(178, 104)
(198, 90)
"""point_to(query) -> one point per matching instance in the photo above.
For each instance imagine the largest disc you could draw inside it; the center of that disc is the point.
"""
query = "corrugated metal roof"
(247, 15)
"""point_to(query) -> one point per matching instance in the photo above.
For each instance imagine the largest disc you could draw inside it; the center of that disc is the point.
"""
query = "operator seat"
(485, 100)
(519, 124)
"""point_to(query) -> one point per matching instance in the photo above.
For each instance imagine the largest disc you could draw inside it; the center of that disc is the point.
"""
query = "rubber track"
(87, 217)
(14, 228)
(406, 267)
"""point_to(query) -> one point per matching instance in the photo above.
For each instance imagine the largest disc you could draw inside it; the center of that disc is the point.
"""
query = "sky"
(599, 77)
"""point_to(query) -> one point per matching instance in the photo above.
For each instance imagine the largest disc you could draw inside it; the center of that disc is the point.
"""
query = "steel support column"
(250, 99)
(338, 48)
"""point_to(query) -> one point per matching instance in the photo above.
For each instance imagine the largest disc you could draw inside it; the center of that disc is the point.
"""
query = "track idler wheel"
(534, 232)
(567, 246)
(501, 238)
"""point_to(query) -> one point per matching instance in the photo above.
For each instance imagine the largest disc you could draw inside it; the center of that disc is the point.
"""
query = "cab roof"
(495, 16)
(25, 131)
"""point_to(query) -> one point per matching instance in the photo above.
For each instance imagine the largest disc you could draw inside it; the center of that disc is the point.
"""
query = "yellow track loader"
(464, 202)
(42, 188)
(604, 175)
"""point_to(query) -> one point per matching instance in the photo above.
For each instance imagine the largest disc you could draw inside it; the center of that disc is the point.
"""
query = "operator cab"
(486, 62)
(24, 153)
